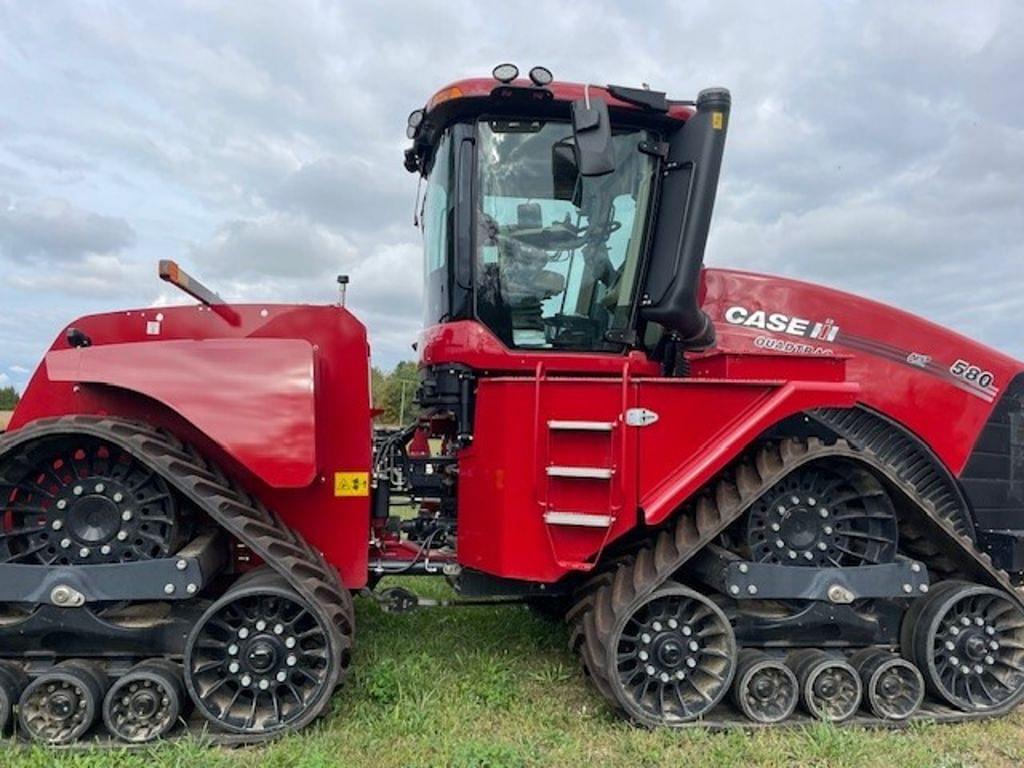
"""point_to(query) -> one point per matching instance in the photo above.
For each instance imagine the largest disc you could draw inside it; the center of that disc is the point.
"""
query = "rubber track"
(599, 611)
(227, 504)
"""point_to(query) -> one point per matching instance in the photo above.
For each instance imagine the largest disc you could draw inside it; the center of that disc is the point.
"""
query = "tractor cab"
(540, 210)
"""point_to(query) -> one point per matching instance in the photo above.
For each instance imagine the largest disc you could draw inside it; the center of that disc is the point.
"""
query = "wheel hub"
(88, 502)
(765, 687)
(823, 516)
(61, 705)
(262, 655)
(144, 704)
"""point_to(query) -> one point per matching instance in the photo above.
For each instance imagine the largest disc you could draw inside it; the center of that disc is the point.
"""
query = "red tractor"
(727, 483)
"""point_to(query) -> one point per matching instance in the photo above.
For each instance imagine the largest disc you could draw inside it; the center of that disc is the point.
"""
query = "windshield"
(557, 254)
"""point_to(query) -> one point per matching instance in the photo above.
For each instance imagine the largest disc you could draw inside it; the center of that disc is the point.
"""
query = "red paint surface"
(253, 397)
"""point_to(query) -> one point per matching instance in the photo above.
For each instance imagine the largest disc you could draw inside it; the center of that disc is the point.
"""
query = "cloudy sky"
(878, 147)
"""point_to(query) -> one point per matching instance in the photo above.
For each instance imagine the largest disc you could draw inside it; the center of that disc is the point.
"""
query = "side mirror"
(592, 128)
(564, 172)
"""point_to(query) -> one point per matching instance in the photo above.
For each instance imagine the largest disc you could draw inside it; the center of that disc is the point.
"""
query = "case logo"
(782, 323)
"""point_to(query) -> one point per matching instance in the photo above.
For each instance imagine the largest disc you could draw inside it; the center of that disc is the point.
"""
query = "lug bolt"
(907, 588)
(645, 638)
(656, 626)
(233, 667)
(105, 549)
(794, 500)
(118, 498)
(693, 645)
(791, 555)
(978, 669)
(822, 546)
(950, 645)
(100, 487)
(781, 509)
(77, 490)
(954, 631)
(776, 527)
(672, 624)
(650, 670)
(686, 630)
(994, 645)
(168, 589)
(965, 670)
(954, 661)
(264, 684)
(744, 568)
(83, 552)
(122, 535)
(823, 512)
(279, 629)
(915, 567)
(808, 555)
(62, 504)
(261, 625)
(990, 630)
(644, 655)
(291, 661)
(243, 632)
(126, 515)
(752, 589)
(680, 675)
(192, 589)
(289, 642)
(65, 543)
(780, 543)
(990, 660)
(232, 649)
(922, 588)
(181, 565)
(979, 622)
(57, 525)
(827, 530)
(282, 676)
(734, 589)
(246, 680)
(811, 501)
(965, 621)
(691, 662)
(664, 677)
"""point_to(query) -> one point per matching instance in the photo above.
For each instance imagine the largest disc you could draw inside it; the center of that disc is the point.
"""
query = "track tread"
(601, 608)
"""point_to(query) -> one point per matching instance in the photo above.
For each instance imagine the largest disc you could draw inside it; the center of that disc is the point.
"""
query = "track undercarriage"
(809, 582)
(811, 579)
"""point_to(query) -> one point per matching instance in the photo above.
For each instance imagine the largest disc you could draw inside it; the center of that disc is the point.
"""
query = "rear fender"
(253, 397)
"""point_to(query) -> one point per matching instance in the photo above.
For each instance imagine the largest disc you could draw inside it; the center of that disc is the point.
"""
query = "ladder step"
(581, 426)
(580, 519)
(589, 473)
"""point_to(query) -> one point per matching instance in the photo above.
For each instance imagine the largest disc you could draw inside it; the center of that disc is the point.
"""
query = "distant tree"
(8, 398)
(393, 393)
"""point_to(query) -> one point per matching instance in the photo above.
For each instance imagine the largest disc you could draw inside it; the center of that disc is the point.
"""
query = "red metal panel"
(901, 362)
(253, 397)
(336, 341)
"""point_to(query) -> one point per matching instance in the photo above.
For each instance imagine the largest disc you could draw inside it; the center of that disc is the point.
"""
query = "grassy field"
(495, 686)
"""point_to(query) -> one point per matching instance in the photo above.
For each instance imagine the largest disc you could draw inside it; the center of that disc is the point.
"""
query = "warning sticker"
(351, 483)
(717, 120)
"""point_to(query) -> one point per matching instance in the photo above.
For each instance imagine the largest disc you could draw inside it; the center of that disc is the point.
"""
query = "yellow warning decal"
(351, 483)
(717, 120)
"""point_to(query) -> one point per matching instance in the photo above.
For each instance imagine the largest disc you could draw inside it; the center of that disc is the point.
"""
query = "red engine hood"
(936, 382)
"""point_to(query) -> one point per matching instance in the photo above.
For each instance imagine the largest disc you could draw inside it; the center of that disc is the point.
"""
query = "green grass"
(496, 687)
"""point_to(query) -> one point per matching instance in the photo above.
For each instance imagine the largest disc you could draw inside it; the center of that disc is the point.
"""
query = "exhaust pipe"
(670, 295)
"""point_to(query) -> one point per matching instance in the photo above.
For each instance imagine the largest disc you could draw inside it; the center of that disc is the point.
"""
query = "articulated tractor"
(752, 499)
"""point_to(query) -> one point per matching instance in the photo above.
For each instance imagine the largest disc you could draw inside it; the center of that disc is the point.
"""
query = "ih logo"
(782, 323)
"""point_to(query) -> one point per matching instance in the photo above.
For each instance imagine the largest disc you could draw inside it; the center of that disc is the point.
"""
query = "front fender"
(254, 397)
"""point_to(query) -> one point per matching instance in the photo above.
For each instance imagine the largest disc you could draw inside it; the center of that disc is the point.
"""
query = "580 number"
(972, 374)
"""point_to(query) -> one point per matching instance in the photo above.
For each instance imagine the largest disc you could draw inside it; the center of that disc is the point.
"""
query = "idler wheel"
(60, 706)
(765, 690)
(145, 703)
(830, 688)
(893, 687)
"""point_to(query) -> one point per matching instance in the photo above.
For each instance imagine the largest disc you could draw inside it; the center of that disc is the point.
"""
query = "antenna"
(342, 287)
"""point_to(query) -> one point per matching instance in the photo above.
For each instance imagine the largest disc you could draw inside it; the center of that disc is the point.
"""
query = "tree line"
(393, 393)
(8, 398)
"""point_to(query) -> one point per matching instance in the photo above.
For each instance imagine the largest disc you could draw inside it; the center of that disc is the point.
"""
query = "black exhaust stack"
(684, 217)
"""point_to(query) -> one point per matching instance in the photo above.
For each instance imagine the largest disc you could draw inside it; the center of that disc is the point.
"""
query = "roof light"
(505, 73)
(541, 76)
